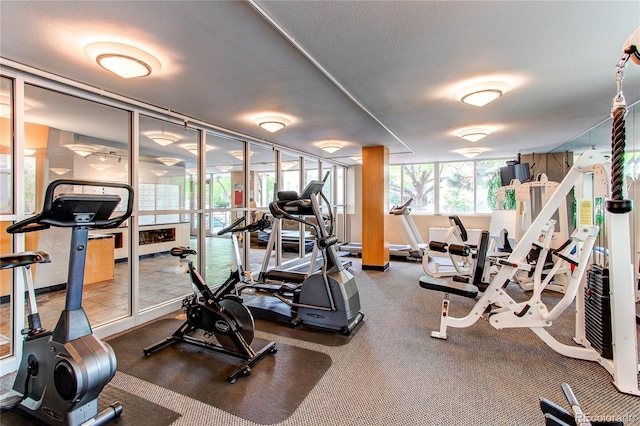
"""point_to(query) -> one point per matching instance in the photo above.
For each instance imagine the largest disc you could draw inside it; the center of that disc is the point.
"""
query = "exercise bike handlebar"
(45, 218)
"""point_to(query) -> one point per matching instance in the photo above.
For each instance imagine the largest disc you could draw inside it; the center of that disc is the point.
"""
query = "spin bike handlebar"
(52, 212)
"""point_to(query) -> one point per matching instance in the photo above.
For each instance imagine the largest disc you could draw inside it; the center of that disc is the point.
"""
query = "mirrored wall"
(190, 183)
(599, 138)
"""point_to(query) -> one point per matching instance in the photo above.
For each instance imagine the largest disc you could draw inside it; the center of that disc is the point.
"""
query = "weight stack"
(598, 311)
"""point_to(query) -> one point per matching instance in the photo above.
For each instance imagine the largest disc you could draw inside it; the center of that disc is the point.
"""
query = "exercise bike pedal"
(10, 402)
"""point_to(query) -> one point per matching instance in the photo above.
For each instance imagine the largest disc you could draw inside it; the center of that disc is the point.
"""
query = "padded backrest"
(481, 258)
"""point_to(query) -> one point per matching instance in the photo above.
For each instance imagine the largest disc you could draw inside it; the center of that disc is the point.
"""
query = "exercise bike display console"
(63, 371)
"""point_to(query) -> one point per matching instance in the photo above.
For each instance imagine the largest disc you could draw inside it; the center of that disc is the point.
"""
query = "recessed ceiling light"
(481, 97)
(474, 134)
(82, 150)
(168, 161)
(100, 166)
(193, 147)
(331, 146)
(239, 154)
(471, 152)
(481, 93)
(357, 159)
(272, 123)
(162, 138)
(224, 169)
(60, 170)
(272, 126)
(473, 137)
(159, 172)
(123, 60)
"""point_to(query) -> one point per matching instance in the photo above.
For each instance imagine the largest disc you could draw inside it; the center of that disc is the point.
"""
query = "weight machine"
(504, 312)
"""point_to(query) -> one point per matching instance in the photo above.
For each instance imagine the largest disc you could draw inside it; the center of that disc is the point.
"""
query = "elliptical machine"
(219, 313)
(326, 299)
(63, 371)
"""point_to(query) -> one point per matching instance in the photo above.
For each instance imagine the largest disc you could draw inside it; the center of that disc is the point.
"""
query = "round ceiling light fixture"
(272, 123)
(481, 93)
(471, 152)
(122, 59)
(473, 134)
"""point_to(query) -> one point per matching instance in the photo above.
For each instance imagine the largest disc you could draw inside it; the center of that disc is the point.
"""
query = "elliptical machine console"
(63, 371)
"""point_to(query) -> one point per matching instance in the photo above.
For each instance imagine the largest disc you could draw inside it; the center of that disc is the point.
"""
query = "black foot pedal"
(10, 402)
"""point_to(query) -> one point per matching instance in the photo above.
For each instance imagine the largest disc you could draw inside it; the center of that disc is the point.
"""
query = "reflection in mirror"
(73, 138)
(599, 138)
(224, 194)
(6, 207)
(167, 202)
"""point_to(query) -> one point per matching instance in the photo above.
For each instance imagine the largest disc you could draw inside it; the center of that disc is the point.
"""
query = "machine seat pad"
(448, 286)
(16, 260)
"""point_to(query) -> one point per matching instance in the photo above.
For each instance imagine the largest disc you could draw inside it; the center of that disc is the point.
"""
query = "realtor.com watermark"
(626, 419)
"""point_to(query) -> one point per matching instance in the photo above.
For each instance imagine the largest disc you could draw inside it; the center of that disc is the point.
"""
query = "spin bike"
(219, 313)
(63, 371)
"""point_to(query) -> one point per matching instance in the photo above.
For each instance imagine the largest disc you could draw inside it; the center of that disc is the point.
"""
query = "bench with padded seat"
(459, 286)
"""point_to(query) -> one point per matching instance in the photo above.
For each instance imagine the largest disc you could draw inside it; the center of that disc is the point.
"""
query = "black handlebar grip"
(438, 246)
(230, 227)
(459, 250)
(327, 241)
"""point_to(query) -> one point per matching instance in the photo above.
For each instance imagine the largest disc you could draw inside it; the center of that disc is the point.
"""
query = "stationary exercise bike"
(63, 371)
(219, 313)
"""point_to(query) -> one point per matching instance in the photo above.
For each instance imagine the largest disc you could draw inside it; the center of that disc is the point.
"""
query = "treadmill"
(411, 251)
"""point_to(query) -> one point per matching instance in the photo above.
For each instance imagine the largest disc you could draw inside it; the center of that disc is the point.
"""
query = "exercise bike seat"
(16, 260)
(181, 251)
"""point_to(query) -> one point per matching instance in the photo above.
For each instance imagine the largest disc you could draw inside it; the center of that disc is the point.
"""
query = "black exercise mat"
(137, 411)
(306, 333)
(270, 394)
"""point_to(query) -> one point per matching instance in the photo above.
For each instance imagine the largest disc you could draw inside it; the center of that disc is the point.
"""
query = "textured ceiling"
(369, 73)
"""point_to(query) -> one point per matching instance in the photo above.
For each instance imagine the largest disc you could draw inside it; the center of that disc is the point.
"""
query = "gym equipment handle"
(230, 227)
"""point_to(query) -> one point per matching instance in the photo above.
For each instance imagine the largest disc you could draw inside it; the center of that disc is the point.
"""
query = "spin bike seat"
(16, 260)
(182, 251)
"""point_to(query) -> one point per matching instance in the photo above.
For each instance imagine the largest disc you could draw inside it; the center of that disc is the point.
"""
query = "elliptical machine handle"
(230, 227)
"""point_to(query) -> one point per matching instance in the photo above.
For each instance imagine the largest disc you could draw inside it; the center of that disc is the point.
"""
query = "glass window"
(487, 184)
(74, 138)
(6, 207)
(224, 195)
(418, 184)
(290, 165)
(327, 189)
(311, 171)
(263, 176)
(6, 154)
(340, 184)
(456, 187)
(395, 186)
(167, 201)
